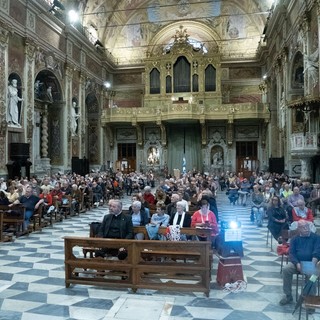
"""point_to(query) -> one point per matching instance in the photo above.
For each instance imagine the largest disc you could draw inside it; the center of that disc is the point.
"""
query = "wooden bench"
(13, 216)
(142, 229)
(150, 264)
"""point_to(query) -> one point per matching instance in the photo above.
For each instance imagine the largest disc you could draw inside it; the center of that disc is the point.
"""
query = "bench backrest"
(94, 229)
(14, 214)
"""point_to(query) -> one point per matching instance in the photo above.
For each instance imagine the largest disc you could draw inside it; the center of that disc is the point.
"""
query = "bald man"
(303, 247)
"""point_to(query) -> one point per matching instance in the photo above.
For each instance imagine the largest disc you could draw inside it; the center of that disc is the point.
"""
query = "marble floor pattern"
(32, 281)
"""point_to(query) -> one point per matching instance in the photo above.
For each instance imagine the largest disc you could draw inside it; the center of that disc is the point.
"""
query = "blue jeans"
(258, 214)
(28, 214)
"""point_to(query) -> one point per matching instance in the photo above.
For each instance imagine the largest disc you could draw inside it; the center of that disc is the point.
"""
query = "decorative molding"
(4, 6)
(6, 31)
(31, 21)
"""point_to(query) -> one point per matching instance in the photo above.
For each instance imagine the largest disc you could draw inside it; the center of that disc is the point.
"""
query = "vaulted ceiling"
(131, 29)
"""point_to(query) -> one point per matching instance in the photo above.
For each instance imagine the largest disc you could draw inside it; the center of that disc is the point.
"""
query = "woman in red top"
(47, 199)
(205, 218)
(301, 212)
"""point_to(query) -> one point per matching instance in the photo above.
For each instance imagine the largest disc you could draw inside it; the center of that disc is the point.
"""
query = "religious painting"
(217, 156)
(153, 156)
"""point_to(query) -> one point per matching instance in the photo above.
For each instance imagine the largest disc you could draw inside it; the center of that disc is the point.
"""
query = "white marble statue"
(13, 99)
(74, 119)
(312, 68)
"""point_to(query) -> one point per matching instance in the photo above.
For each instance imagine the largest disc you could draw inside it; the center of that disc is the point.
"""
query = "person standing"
(13, 100)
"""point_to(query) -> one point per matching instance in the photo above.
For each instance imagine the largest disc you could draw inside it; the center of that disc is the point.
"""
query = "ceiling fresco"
(129, 29)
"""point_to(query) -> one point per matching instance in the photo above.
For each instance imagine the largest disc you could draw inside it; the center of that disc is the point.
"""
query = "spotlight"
(73, 16)
(230, 225)
(107, 84)
(230, 239)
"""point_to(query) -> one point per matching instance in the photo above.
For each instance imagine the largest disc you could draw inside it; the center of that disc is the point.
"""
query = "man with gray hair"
(292, 201)
(303, 247)
(116, 224)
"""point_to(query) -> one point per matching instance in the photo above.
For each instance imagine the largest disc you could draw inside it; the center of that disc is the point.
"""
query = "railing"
(166, 110)
(305, 142)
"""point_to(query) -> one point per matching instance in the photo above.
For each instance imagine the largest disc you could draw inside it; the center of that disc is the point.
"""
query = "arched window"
(195, 83)
(181, 75)
(168, 84)
(154, 81)
(297, 71)
(210, 78)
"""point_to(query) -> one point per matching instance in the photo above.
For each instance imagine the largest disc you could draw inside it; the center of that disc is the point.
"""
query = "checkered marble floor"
(32, 281)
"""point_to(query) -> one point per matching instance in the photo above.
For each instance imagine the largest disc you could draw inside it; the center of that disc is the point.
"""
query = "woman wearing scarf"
(179, 220)
(301, 212)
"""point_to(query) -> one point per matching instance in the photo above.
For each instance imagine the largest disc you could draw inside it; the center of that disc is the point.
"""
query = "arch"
(297, 71)
(196, 30)
(45, 80)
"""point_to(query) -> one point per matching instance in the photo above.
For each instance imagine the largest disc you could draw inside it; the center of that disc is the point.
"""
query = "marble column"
(5, 32)
(305, 168)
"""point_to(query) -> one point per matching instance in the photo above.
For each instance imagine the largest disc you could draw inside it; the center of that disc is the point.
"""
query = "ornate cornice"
(304, 102)
(6, 31)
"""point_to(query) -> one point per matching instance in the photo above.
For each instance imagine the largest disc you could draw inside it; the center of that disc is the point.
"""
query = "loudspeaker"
(276, 165)
(19, 151)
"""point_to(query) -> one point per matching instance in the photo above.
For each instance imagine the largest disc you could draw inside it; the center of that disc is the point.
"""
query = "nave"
(32, 281)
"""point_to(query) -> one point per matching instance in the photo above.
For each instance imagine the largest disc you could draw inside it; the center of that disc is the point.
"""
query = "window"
(210, 78)
(168, 84)
(154, 81)
(181, 75)
(195, 83)
(126, 150)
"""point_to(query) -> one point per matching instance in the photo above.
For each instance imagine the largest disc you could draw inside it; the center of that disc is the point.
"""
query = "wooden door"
(247, 160)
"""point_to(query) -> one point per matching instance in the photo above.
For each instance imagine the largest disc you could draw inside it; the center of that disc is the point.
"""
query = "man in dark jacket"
(116, 225)
(303, 247)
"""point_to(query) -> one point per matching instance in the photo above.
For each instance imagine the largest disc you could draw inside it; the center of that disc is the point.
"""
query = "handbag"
(173, 233)
(283, 249)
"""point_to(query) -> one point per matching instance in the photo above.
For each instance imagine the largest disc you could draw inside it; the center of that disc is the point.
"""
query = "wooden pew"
(163, 231)
(159, 265)
(14, 216)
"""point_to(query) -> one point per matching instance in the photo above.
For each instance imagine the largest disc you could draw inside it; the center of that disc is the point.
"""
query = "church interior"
(134, 85)
(164, 86)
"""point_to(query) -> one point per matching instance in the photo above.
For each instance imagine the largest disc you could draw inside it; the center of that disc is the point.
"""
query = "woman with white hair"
(139, 218)
(181, 218)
